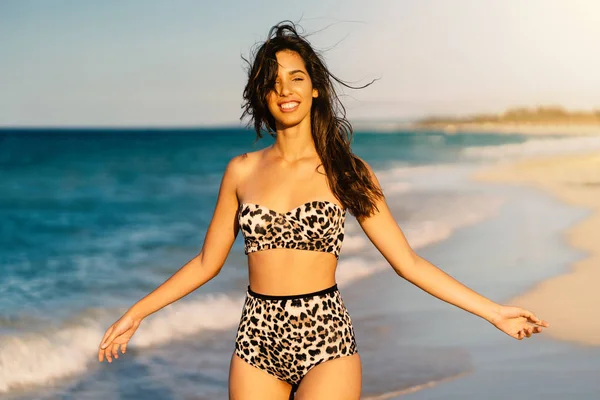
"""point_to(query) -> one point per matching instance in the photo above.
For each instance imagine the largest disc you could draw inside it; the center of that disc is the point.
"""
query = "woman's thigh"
(337, 379)
(247, 382)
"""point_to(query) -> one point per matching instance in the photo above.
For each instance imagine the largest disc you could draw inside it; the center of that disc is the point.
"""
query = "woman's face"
(291, 99)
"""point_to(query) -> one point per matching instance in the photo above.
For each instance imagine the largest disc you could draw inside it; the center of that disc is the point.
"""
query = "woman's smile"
(289, 106)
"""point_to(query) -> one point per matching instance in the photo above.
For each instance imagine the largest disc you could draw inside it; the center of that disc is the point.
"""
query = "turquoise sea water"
(92, 220)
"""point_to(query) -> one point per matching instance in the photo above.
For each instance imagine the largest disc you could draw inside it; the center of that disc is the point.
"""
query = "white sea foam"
(212, 312)
(40, 357)
(535, 147)
(37, 358)
(419, 235)
(412, 389)
(439, 220)
(397, 172)
(355, 268)
(397, 187)
(354, 243)
(435, 223)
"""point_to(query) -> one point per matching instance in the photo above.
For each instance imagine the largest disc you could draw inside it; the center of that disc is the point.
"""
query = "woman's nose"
(284, 89)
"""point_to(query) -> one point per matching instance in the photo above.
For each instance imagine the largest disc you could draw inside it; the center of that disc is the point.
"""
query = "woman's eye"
(298, 79)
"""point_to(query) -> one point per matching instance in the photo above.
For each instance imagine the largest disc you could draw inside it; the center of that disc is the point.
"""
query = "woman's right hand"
(117, 335)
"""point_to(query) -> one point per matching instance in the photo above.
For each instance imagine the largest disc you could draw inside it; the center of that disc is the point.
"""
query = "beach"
(540, 253)
(568, 300)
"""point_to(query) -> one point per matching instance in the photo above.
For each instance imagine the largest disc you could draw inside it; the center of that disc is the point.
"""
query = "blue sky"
(173, 63)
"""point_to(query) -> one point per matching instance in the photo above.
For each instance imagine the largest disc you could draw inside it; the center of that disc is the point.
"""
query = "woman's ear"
(315, 93)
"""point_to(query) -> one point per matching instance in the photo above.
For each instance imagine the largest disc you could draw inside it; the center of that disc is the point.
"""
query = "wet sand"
(569, 301)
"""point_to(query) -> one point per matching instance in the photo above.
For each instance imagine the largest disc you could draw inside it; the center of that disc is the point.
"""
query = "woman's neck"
(295, 143)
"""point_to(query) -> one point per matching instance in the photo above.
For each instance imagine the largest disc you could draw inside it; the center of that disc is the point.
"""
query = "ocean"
(94, 219)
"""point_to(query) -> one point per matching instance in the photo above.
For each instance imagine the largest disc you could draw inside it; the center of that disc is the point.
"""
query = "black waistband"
(329, 290)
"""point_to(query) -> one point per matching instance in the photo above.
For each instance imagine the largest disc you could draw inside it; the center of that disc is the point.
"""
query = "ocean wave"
(354, 243)
(415, 388)
(396, 173)
(211, 312)
(419, 234)
(36, 358)
(441, 220)
(393, 180)
(397, 181)
(398, 187)
(534, 147)
(355, 268)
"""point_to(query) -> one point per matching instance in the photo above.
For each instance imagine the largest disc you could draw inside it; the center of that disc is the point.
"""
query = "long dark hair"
(348, 176)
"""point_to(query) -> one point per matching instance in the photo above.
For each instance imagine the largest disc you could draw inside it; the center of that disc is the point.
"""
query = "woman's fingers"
(106, 336)
(520, 323)
(107, 354)
(533, 319)
(106, 343)
(111, 352)
(115, 350)
(116, 337)
(520, 335)
(527, 332)
(101, 349)
(117, 329)
(530, 316)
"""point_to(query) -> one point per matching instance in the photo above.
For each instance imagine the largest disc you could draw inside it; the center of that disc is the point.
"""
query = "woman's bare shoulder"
(242, 165)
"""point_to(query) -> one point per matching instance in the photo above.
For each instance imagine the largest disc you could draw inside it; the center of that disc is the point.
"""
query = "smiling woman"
(295, 334)
(286, 69)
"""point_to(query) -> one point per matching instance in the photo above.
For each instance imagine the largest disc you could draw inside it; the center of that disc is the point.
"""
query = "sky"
(178, 62)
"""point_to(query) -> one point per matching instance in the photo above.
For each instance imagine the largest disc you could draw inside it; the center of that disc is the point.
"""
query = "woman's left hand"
(517, 322)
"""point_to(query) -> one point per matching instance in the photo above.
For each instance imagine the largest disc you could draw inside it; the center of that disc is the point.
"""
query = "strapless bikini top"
(314, 225)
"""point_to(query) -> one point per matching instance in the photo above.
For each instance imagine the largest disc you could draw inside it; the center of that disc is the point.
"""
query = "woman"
(290, 201)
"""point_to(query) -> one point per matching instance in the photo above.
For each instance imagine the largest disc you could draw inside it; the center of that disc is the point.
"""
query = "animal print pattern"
(315, 225)
(287, 337)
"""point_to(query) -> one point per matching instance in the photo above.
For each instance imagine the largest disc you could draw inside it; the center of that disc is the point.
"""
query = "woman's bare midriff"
(281, 272)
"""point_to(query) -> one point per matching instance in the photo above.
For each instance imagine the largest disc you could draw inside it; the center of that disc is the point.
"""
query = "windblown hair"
(348, 176)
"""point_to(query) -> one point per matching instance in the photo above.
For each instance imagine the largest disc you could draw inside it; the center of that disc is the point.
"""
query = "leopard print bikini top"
(314, 225)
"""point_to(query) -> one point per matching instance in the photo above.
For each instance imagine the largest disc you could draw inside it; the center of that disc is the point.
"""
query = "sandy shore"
(569, 301)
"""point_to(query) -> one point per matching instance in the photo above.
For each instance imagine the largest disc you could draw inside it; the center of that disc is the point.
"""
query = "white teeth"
(289, 105)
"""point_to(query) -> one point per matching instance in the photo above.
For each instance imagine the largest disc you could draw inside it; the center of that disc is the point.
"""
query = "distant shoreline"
(538, 120)
(474, 128)
(515, 128)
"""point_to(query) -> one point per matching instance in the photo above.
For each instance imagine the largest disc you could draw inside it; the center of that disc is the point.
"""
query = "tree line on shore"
(521, 115)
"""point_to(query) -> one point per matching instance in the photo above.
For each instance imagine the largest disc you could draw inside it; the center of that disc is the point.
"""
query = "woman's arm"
(386, 235)
(218, 241)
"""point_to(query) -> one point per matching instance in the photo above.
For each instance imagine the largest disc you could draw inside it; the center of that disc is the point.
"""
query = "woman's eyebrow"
(296, 71)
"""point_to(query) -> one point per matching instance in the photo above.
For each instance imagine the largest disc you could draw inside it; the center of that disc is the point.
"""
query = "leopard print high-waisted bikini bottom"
(286, 336)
